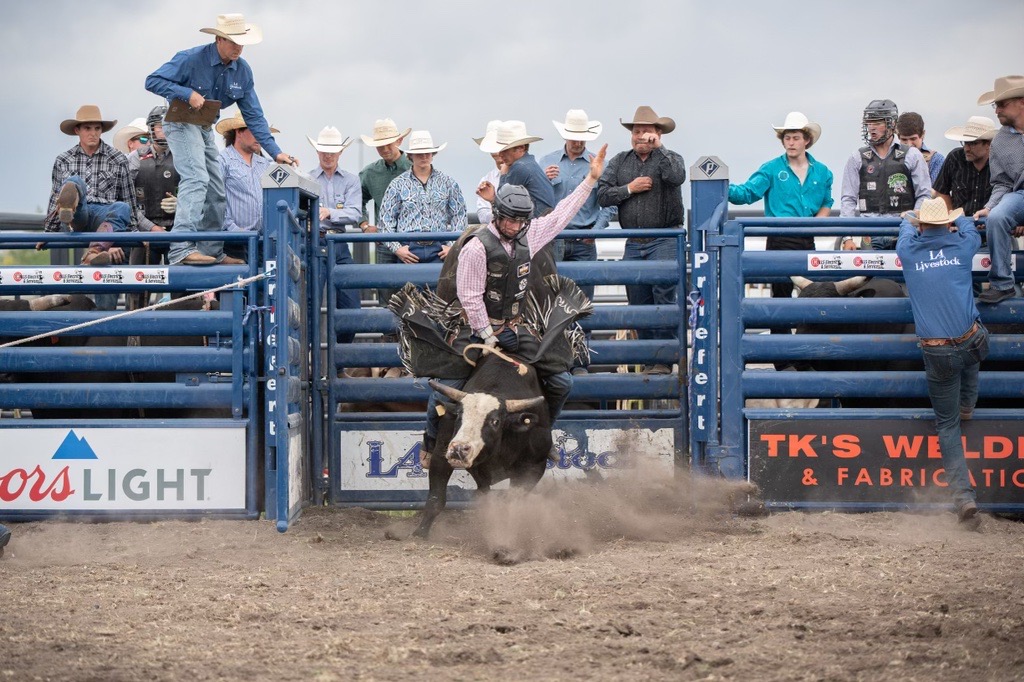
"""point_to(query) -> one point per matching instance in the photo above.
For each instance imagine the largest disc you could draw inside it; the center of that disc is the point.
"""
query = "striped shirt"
(966, 186)
(105, 174)
(412, 206)
(471, 275)
(1006, 160)
(244, 209)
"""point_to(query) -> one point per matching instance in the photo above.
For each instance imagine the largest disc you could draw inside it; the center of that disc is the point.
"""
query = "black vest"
(152, 184)
(507, 278)
(886, 186)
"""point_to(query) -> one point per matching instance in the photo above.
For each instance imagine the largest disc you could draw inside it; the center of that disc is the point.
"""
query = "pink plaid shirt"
(471, 276)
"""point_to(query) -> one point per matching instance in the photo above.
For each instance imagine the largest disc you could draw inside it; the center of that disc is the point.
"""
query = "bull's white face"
(479, 412)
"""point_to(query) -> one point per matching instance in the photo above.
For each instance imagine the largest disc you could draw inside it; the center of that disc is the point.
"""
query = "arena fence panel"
(881, 454)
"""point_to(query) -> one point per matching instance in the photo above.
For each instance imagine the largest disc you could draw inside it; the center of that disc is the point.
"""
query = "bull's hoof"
(503, 556)
(563, 553)
(421, 533)
(751, 509)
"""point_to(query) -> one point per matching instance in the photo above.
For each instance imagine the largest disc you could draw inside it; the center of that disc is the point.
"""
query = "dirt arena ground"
(620, 582)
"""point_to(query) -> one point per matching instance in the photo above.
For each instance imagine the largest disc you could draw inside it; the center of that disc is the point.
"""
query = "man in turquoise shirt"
(793, 185)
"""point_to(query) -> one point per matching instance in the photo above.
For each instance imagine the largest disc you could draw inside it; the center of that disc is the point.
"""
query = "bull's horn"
(452, 393)
(523, 404)
(847, 285)
(800, 282)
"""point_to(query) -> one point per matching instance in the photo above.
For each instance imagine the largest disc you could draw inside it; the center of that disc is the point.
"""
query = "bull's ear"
(521, 421)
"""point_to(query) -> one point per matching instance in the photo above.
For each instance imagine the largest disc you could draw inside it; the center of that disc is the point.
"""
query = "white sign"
(389, 460)
(71, 275)
(881, 261)
(130, 469)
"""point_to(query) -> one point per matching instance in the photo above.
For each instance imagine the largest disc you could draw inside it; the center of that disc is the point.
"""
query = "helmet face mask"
(156, 118)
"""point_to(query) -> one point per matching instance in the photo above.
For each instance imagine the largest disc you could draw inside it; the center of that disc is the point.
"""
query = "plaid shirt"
(105, 174)
(471, 275)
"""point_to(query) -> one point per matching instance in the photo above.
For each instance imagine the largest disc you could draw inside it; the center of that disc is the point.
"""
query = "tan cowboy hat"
(87, 113)
(1004, 88)
(234, 123)
(420, 142)
(125, 135)
(509, 134)
(384, 132)
(329, 141)
(797, 121)
(977, 128)
(578, 127)
(645, 116)
(489, 134)
(934, 212)
(234, 28)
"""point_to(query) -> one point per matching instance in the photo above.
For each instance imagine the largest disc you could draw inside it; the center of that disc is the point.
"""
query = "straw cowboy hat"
(490, 134)
(420, 142)
(934, 212)
(329, 141)
(797, 121)
(977, 128)
(384, 132)
(645, 116)
(509, 134)
(578, 127)
(235, 123)
(87, 113)
(123, 136)
(1005, 88)
(234, 28)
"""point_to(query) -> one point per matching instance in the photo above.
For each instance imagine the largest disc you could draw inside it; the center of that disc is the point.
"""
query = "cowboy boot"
(67, 203)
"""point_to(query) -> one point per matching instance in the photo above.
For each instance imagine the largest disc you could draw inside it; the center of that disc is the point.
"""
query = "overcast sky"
(725, 71)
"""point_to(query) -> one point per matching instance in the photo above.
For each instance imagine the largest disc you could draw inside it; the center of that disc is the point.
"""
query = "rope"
(155, 306)
(521, 368)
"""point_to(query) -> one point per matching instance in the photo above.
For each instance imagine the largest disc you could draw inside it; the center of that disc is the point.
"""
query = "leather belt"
(951, 342)
(426, 243)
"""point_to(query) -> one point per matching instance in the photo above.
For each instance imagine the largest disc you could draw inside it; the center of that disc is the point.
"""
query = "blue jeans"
(347, 299)
(577, 250)
(88, 216)
(883, 243)
(556, 391)
(1008, 214)
(201, 199)
(652, 294)
(952, 373)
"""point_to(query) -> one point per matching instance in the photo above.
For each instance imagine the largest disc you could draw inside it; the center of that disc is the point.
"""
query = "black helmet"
(156, 116)
(881, 110)
(513, 201)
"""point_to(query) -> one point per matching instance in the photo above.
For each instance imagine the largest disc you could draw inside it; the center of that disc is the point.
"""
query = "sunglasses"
(1002, 104)
(971, 143)
(142, 138)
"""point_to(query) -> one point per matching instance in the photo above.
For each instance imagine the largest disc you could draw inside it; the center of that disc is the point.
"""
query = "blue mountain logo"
(74, 447)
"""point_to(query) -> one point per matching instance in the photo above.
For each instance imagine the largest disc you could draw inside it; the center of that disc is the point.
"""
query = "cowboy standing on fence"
(937, 250)
(214, 72)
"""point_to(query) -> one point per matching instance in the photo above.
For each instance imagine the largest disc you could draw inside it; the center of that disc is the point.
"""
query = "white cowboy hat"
(935, 212)
(123, 136)
(234, 28)
(578, 127)
(645, 115)
(509, 134)
(235, 123)
(420, 142)
(87, 113)
(490, 134)
(329, 141)
(1004, 88)
(977, 128)
(384, 132)
(797, 121)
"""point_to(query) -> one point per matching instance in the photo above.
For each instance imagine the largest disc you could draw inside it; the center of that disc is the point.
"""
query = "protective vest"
(886, 186)
(507, 278)
(155, 179)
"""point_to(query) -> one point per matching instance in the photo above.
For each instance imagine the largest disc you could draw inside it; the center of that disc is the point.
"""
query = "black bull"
(497, 427)
(79, 303)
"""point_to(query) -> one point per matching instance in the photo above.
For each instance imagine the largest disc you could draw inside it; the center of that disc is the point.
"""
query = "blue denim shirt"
(526, 172)
(201, 69)
(570, 175)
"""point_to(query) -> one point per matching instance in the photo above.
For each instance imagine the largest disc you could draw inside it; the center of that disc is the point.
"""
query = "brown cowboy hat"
(87, 113)
(645, 116)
